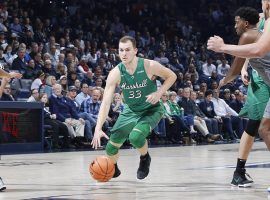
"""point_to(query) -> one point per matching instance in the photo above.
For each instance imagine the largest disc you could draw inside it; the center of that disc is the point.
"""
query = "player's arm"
(111, 83)
(238, 63)
(3, 73)
(154, 68)
(254, 50)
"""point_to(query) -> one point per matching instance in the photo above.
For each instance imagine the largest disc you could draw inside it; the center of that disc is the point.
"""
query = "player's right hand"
(244, 77)
(96, 139)
(15, 75)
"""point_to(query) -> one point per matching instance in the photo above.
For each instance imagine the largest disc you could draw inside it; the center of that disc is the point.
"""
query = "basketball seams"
(98, 171)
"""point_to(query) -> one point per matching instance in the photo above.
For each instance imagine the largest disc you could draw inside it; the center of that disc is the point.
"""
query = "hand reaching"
(15, 75)
(215, 44)
(96, 139)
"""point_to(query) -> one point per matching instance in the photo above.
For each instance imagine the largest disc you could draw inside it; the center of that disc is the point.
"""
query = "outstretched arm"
(112, 80)
(3, 73)
(254, 50)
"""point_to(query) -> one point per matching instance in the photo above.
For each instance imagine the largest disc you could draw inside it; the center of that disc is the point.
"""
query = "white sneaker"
(2, 185)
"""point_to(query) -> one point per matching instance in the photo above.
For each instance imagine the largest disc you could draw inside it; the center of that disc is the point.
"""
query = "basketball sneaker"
(117, 172)
(144, 166)
(2, 185)
(240, 179)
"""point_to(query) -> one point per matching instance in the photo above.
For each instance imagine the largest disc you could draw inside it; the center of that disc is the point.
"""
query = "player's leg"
(2, 185)
(246, 143)
(118, 135)
(138, 135)
(264, 130)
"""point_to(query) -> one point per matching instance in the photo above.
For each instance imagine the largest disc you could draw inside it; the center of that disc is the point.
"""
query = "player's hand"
(96, 139)
(221, 83)
(153, 98)
(244, 77)
(215, 44)
(15, 75)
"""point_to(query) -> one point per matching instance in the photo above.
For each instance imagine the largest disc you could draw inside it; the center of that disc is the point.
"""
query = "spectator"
(38, 82)
(5, 90)
(34, 96)
(59, 105)
(228, 115)
(58, 128)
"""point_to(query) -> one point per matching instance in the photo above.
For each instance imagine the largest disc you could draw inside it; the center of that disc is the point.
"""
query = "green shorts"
(257, 98)
(129, 119)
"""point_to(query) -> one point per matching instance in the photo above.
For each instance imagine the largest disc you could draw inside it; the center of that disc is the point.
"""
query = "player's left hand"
(153, 98)
(215, 44)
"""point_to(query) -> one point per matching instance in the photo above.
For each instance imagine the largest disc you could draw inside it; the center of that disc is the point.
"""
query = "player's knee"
(111, 149)
(252, 127)
(138, 135)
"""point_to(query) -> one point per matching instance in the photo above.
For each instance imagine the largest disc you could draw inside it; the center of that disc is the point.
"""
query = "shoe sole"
(3, 188)
(243, 186)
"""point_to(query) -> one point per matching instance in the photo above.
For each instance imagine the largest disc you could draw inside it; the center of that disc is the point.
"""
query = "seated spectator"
(116, 108)
(208, 127)
(47, 88)
(38, 81)
(229, 116)
(48, 69)
(5, 90)
(238, 103)
(77, 84)
(34, 96)
(208, 68)
(207, 107)
(64, 83)
(19, 63)
(58, 128)
(173, 121)
(223, 68)
(227, 96)
(59, 105)
(189, 111)
(83, 95)
(89, 122)
(30, 70)
(92, 106)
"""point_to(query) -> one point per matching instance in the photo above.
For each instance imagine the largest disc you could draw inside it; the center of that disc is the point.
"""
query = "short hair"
(128, 38)
(248, 14)
(208, 92)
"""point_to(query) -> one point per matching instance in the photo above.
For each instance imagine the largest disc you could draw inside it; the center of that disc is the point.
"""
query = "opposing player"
(142, 111)
(4, 74)
(262, 65)
(246, 19)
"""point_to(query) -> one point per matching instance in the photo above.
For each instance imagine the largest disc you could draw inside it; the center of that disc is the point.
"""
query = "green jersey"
(136, 87)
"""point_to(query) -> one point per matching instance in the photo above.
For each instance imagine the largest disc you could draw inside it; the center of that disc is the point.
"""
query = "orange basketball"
(102, 169)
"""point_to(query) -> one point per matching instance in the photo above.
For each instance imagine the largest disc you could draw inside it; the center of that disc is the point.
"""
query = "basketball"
(102, 169)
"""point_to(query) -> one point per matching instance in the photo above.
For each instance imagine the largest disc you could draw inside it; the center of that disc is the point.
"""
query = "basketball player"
(142, 111)
(3, 74)
(246, 19)
(257, 49)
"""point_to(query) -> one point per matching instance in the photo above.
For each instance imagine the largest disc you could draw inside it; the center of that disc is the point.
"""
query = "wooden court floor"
(184, 172)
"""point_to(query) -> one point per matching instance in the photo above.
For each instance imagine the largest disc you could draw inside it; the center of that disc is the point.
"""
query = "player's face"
(240, 25)
(127, 52)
